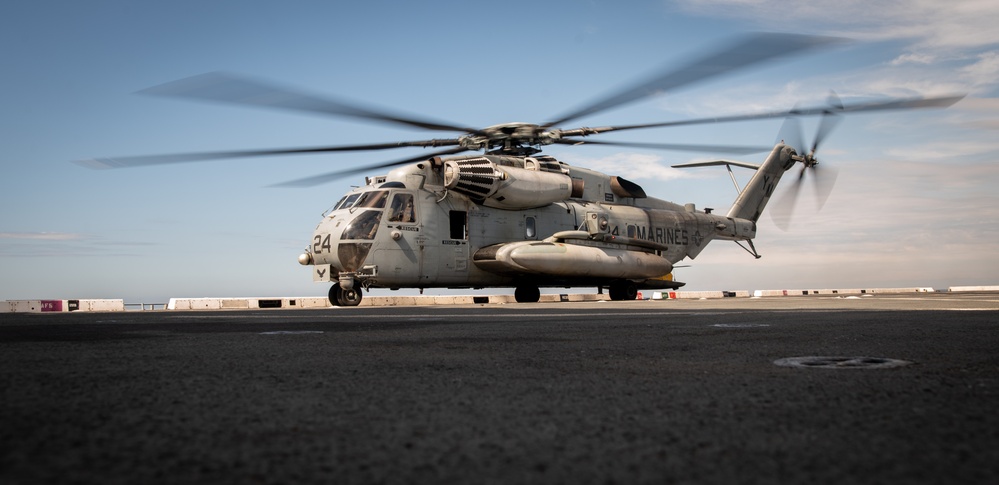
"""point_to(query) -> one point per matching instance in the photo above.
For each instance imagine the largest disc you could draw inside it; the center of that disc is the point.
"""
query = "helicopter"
(512, 216)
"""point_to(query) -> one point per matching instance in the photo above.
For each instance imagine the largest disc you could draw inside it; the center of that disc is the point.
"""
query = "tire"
(334, 295)
(623, 290)
(527, 294)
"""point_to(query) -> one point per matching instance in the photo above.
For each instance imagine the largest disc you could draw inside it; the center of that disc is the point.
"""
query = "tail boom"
(754, 197)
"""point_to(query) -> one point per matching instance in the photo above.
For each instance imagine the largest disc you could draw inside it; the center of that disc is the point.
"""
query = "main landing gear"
(623, 290)
(527, 294)
(341, 297)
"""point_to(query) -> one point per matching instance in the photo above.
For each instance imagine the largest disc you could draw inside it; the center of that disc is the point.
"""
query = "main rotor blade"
(229, 88)
(743, 52)
(331, 176)
(908, 103)
(144, 160)
(729, 149)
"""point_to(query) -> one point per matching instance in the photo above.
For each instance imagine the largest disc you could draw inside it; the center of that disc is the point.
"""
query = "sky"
(914, 204)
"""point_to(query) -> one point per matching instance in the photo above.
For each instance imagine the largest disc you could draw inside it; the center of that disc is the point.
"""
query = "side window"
(459, 221)
(530, 228)
(401, 209)
(373, 200)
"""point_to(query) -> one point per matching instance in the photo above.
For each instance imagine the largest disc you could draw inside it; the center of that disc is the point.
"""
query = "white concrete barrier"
(902, 290)
(972, 288)
(245, 303)
(23, 306)
(314, 302)
(103, 305)
(194, 304)
(698, 295)
(849, 291)
(112, 305)
(40, 306)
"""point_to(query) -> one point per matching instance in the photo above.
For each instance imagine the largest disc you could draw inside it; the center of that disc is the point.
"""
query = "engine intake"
(505, 187)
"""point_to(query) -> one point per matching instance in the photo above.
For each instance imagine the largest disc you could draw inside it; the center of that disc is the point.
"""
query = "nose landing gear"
(345, 297)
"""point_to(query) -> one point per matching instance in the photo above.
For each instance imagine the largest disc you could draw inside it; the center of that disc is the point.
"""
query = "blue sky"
(915, 202)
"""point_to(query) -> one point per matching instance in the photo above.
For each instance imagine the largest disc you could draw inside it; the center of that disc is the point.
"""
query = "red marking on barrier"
(51, 305)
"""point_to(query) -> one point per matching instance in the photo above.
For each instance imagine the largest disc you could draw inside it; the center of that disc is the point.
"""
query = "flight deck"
(876, 389)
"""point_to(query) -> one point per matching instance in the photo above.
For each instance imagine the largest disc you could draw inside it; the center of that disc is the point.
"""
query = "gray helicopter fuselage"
(425, 225)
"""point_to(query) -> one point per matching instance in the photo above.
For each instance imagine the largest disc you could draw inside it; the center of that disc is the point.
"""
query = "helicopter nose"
(321, 250)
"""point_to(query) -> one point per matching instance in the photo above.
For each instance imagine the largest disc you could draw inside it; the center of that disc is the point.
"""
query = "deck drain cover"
(841, 362)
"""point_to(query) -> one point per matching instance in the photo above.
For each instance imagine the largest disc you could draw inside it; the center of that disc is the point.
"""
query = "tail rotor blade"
(790, 134)
(825, 179)
(830, 118)
(784, 208)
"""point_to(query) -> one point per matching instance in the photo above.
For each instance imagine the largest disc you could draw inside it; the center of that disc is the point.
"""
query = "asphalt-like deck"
(599, 392)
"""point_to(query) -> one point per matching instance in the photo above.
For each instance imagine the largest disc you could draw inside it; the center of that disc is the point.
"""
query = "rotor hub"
(510, 138)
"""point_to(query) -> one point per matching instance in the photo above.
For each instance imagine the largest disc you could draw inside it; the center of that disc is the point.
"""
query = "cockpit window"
(373, 200)
(401, 209)
(363, 226)
(346, 201)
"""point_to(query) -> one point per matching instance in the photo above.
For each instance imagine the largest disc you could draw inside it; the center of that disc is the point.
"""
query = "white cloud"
(944, 150)
(931, 24)
(912, 59)
(985, 71)
(948, 46)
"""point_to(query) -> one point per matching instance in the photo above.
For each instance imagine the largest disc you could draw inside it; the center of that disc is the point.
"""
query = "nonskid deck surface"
(726, 390)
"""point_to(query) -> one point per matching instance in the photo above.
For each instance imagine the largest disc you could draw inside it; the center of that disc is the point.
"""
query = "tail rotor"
(824, 178)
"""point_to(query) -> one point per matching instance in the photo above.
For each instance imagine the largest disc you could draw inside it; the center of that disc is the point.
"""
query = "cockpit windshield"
(346, 201)
(364, 226)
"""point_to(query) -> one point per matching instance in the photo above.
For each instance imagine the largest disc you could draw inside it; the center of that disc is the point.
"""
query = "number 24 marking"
(321, 244)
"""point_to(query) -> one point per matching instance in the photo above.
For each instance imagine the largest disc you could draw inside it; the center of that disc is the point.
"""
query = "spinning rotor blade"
(908, 103)
(144, 160)
(784, 207)
(828, 122)
(331, 176)
(732, 150)
(744, 52)
(825, 178)
(229, 88)
(790, 134)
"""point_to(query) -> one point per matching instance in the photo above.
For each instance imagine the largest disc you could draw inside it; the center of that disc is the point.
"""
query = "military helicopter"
(512, 216)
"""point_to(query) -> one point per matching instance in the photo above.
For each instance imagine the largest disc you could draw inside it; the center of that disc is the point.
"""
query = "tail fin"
(754, 197)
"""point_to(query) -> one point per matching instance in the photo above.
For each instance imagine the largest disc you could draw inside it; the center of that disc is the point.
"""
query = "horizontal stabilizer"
(717, 163)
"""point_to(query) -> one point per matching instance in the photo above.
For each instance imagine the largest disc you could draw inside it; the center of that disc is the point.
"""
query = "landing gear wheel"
(334, 295)
(351, 297)
(623, 290)
(527, 294)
